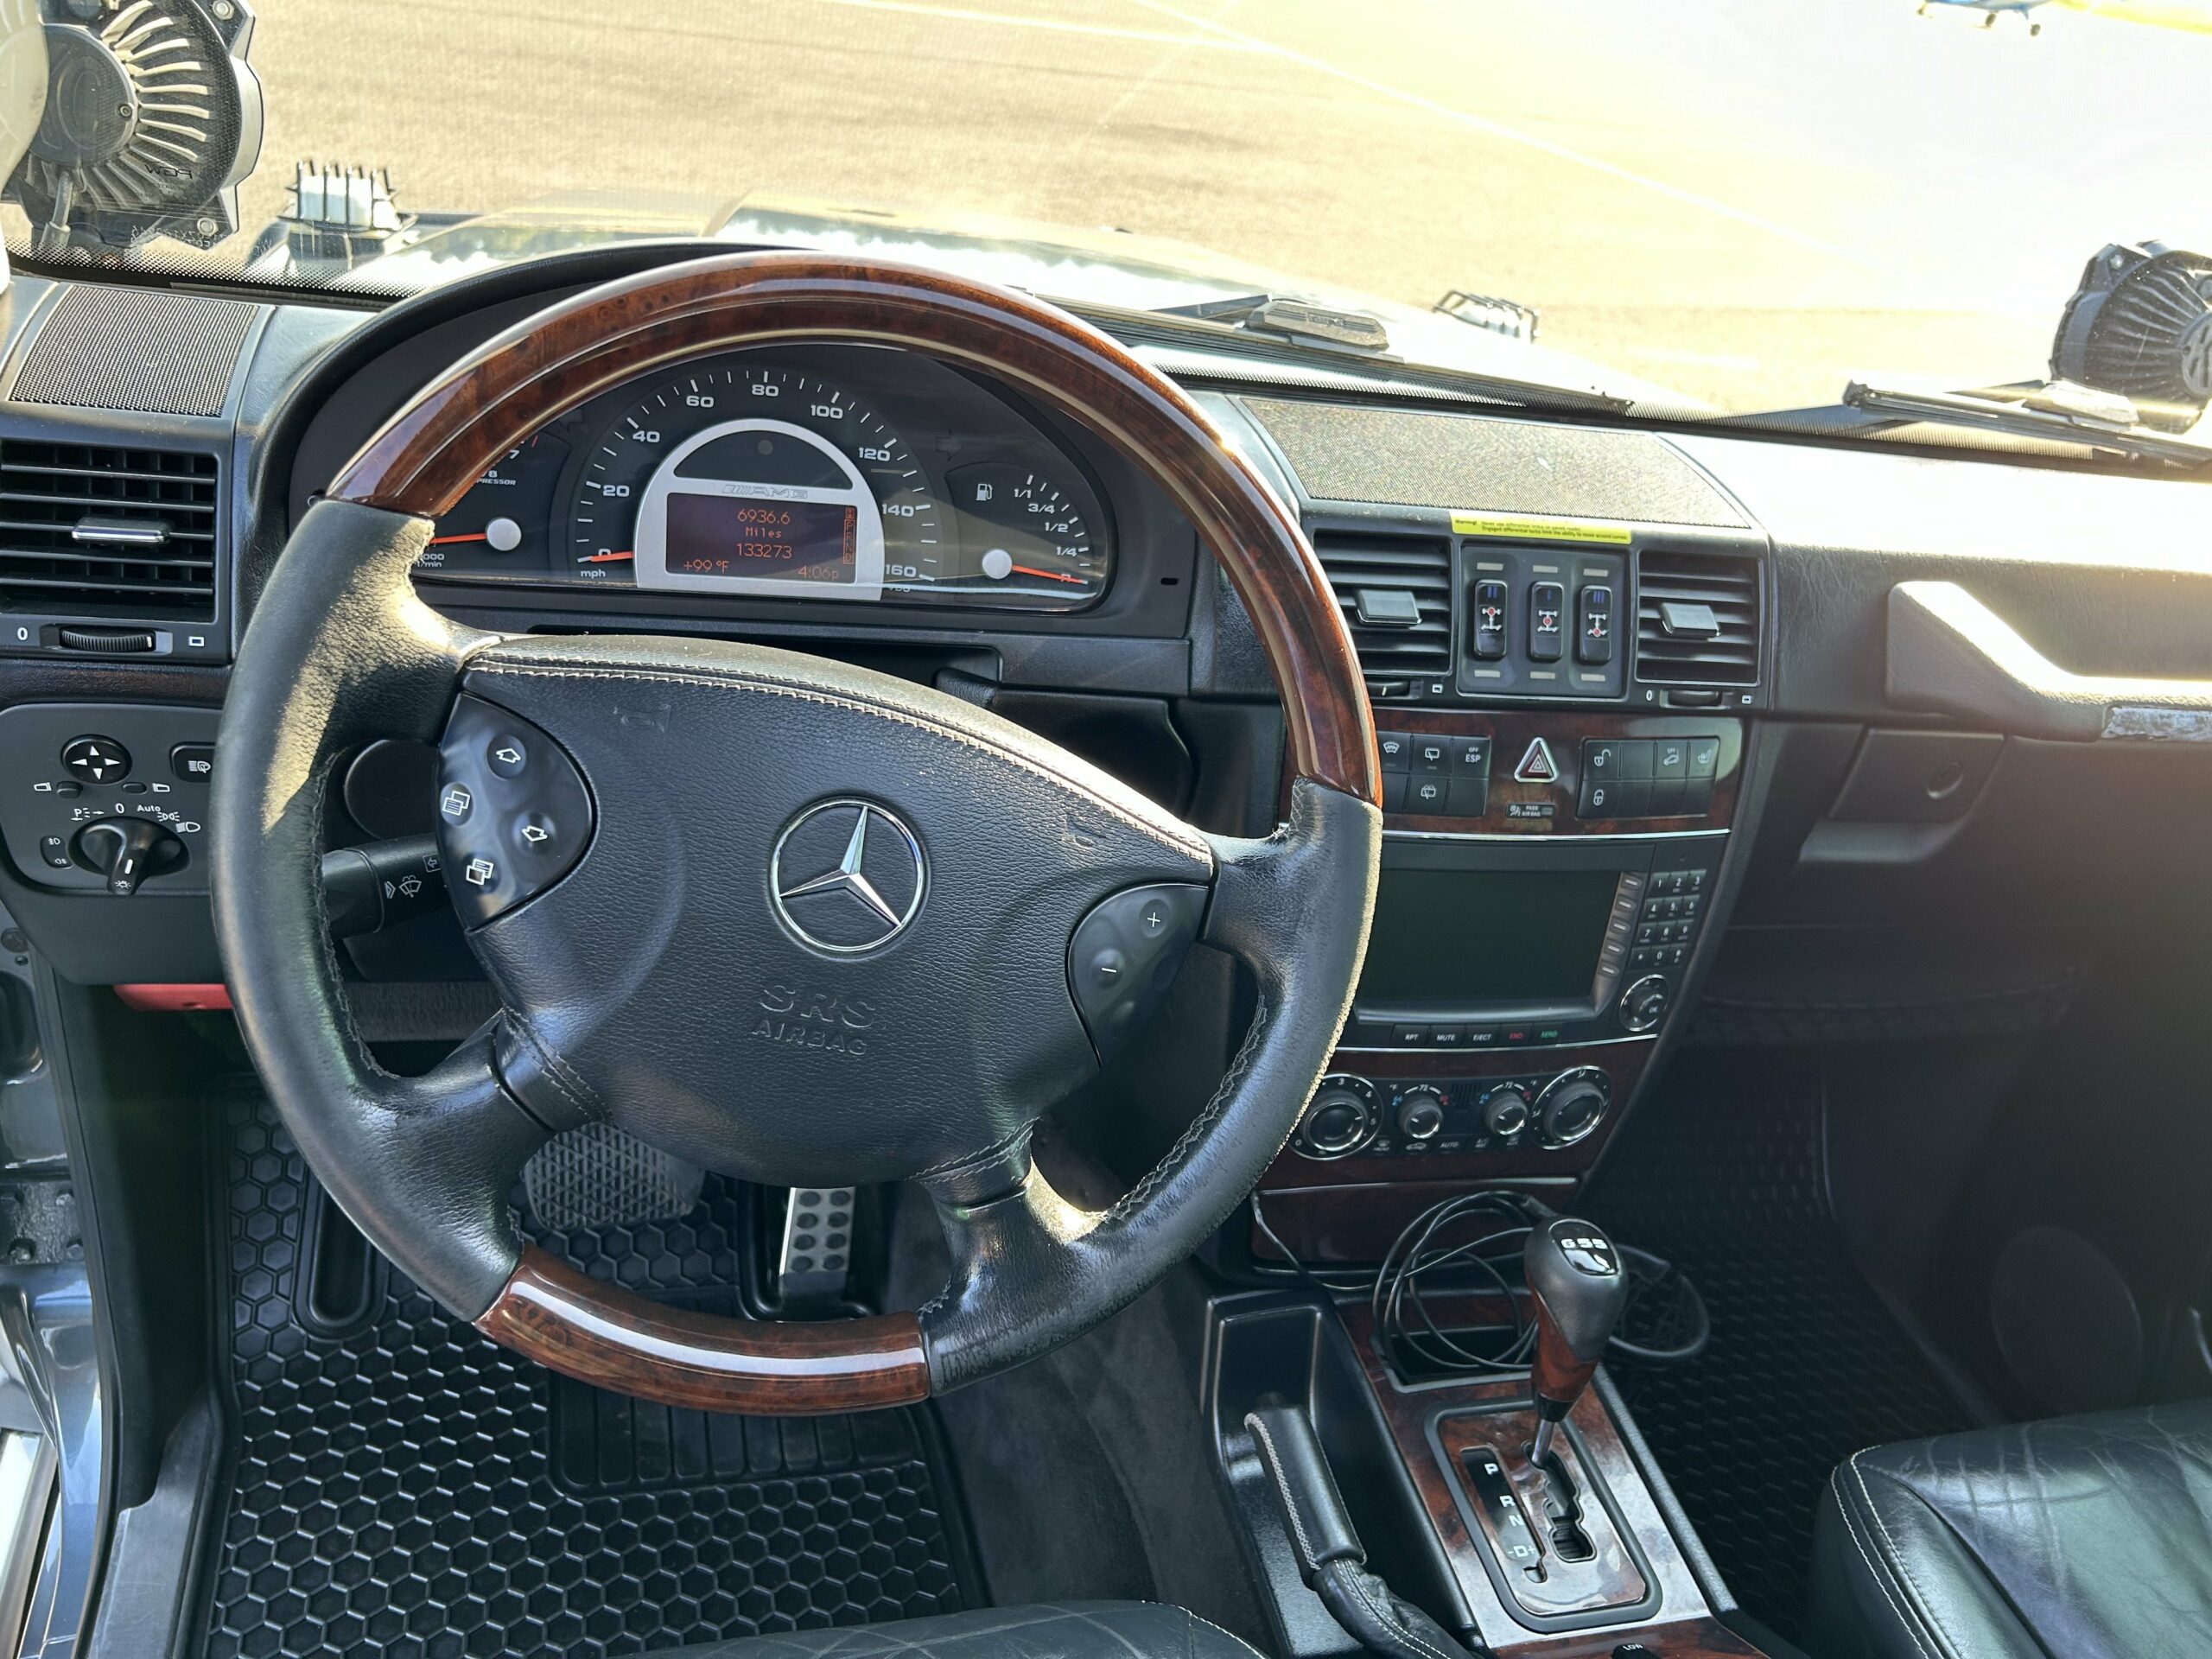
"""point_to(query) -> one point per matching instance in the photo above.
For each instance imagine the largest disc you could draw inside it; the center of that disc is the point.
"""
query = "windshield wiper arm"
(1327, 326)
(2051, 411)
(1180, 330)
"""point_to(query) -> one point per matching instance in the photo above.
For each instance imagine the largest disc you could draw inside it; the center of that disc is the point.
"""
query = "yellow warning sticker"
(1537, 530)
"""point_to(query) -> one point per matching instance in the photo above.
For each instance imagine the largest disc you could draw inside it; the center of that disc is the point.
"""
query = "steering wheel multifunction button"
(94, 760)
(1124, 954)
(507, 755)
(537, 834)
(513, 813)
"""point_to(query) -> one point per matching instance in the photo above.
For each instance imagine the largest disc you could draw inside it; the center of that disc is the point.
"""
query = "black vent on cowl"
(90, 530)
(1395, 592)
(1697, 619)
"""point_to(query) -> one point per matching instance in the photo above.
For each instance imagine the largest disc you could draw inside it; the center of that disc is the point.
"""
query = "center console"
(1547, 878)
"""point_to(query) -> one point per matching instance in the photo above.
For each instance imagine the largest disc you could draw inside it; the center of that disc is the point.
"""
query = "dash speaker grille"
(136, 349)
(1344, 452)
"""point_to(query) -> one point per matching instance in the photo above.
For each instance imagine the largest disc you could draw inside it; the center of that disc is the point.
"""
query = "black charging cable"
(1461, 1245)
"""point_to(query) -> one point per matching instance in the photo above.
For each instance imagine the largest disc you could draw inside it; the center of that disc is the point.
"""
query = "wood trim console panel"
(1541, 809)
(1458, 1414)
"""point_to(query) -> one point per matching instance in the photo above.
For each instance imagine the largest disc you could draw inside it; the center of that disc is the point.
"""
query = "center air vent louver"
(1395, 592)
(1697, 619)
(94, 531)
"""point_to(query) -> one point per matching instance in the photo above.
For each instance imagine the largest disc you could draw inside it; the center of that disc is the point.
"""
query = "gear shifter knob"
(1576, 1280)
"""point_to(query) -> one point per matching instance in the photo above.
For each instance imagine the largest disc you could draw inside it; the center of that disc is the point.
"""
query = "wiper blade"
(1182, 334)
(1293, 319)
(2054, 411)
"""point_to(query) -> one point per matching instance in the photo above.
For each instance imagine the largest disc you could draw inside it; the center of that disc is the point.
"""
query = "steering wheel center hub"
(820, 934)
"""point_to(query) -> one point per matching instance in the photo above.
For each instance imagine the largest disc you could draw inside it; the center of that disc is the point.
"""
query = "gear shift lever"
(1576, 1280)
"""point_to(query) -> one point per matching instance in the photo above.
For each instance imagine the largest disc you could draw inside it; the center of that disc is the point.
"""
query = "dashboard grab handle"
(1951, 654)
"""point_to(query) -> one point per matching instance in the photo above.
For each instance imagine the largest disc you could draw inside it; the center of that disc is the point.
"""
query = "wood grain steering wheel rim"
(429, 454)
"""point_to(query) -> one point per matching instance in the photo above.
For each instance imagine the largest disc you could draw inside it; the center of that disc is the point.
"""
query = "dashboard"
(1661, 718)
(834, 473)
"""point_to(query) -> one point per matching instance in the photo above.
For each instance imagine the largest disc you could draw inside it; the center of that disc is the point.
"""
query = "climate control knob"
(1421, 1114)
(1573, 1104)
(1506, 1110)
(1339, 1119)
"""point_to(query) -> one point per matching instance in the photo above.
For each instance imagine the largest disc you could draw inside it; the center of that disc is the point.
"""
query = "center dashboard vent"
(86, 530)
(1395, 594)
(1697, 619)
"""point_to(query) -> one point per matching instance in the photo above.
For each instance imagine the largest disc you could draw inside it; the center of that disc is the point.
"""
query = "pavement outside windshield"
(1750, 201)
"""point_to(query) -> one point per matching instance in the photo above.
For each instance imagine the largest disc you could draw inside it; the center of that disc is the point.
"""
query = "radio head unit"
(1484, 945)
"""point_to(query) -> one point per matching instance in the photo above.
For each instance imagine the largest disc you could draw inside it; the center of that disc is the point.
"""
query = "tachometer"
(499, 527)
(744, 477)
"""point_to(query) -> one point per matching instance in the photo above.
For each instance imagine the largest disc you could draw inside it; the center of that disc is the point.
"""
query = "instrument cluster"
(826, 473)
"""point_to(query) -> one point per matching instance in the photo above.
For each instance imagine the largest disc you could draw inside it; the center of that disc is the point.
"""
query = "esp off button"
(513, 814)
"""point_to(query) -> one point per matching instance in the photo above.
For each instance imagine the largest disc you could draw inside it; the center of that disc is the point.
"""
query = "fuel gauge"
(499, 527)
(1024, 541)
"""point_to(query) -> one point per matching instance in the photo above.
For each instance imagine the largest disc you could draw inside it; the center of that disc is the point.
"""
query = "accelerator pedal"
(816, 1256)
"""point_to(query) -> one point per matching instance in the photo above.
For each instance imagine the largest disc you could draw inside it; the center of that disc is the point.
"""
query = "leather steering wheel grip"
(340, 651)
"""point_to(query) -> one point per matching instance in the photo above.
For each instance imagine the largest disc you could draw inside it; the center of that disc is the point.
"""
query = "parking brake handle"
(1331, 1559)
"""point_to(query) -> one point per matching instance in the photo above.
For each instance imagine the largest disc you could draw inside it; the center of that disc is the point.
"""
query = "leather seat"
(2089, 1537)
(1075, 1629)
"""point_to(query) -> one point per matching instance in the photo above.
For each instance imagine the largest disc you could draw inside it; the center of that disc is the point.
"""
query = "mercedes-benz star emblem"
(847, 876)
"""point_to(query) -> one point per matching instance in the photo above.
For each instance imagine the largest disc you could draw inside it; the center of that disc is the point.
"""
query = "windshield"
(1746, 203)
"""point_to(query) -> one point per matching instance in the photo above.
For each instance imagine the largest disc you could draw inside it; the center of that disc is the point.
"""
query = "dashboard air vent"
(86, 530)
(1697, 619)
(1395, 592)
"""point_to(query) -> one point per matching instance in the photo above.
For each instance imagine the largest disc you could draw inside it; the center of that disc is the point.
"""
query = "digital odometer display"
(714, 536)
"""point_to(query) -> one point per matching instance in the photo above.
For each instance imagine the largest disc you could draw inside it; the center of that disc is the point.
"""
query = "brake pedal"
(598, 1176)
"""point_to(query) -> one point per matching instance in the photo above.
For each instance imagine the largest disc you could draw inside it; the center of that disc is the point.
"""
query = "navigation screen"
(1460, 939)
(738, 536)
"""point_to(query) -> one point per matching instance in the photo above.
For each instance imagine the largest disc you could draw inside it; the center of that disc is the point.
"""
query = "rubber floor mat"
(1723, 1173)
(411, 1490)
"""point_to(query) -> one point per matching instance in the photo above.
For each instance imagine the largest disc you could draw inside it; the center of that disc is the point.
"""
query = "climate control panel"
(1416, 1117)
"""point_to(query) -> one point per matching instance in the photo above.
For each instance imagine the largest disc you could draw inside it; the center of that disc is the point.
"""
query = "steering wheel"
(792, 920)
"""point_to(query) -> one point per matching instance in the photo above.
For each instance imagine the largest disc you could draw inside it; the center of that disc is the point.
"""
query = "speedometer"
(744, 477)
(750, 475)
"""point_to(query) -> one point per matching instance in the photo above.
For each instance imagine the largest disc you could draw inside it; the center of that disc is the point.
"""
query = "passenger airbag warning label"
(1537, 530)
